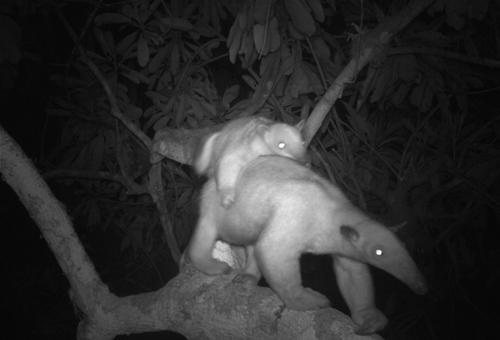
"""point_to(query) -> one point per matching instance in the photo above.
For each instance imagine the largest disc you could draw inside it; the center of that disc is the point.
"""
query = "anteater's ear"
(204, 153)
(262, 129)
(349, 233)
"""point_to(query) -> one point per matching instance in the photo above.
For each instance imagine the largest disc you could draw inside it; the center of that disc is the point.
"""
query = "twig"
(318, 65)
(157, 192)
(115, 110)
(372, 43)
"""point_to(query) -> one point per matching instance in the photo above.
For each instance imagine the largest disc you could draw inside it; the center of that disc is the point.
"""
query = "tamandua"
(284, 210)
(225, 153)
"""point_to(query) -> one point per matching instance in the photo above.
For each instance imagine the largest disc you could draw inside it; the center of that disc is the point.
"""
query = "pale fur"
(225, 153)
(284, 210)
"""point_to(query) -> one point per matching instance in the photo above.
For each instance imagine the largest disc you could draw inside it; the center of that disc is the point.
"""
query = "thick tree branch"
(369, 46)
(50, 216)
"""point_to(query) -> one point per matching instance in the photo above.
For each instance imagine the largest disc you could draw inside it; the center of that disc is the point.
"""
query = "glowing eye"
(281, 145)
(379, 252)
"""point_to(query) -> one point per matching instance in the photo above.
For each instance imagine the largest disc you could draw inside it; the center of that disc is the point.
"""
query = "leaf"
(196, 109)
(180, 24)
(249, 81)
(266, 39)
(259, 37)
(301, 16)
(230, 94)
(157, 60)
(208, 107)
(406, 67)
(161, 123)
(126, 43)
(455, 11)
(142, 51)
(358, 122)
(313, 79)
(421, 97)
(204, 30)
(247, 48)
(317, 9)
(273, 35)
(269, 67)
(287, 60)
(112, 18)
(294, 33)
(400, 94)
(260, 10)
(298, 82)
(214, 15)
(381, 84)
(242, 19)
(133, 112)
(234, 41)
(321, 48)
(136, 77)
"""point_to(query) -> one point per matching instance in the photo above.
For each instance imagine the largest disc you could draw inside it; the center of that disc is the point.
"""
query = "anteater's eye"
(379, 252)
(281, 145)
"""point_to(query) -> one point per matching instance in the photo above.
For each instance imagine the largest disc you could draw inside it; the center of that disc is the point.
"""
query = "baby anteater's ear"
(204, 154)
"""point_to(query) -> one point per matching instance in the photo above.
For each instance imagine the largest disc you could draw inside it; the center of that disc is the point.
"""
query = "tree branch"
(369, 46)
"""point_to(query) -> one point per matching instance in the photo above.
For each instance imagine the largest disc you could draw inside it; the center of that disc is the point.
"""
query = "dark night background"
(447, 108)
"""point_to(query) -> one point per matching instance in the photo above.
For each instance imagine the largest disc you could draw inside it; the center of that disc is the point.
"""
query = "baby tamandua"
(283, 210)
(225, 153)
